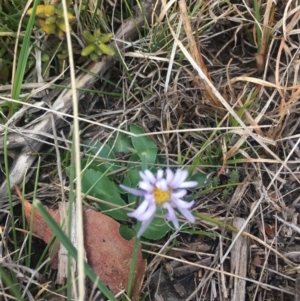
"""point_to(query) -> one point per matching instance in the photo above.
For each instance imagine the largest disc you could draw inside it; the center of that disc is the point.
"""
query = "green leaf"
(143, 144)
(88, 162)
(134, 162)
(131, 180)
(134, 177)
(200, 178)
(126, 232)
(148, 156)
(120, 144)
(102, 152)
(158, 227)
(97, 184)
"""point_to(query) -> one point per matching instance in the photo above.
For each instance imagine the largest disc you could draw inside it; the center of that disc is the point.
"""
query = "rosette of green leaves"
(103, 171)
(96, 44)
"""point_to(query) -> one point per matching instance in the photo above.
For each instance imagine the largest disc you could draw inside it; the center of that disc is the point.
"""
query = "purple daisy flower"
(162, 191)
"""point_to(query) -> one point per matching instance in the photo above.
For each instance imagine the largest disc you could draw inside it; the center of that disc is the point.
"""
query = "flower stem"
(144, 161)
(132, 266)
(136, 242)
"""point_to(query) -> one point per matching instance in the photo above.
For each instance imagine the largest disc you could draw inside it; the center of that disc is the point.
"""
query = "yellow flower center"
(161, 196)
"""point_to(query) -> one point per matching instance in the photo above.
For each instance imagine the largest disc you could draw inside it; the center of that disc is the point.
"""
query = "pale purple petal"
(148, 213)
(149, 197)
(141, 209)
(188, 184)
(171, 216)
(169, 175)
(133, 191)
(147, 175)
(182, 204)
(146, 186)
(143, 176)
(162, 185)
(144, 226)
(179, 178)
(179, 194)
(160, 174)
(187, 214)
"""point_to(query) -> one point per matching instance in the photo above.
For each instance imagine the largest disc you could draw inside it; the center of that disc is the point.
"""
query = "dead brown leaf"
(108, 253)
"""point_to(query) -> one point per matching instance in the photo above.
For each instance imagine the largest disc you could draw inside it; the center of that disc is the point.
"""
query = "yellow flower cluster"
(51, 17)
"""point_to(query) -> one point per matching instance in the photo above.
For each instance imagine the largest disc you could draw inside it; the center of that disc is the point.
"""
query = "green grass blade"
(11, 284)
(10, 200)
(22, 60)
(258, 28)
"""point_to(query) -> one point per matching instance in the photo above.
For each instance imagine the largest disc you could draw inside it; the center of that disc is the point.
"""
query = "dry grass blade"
(239, 263)
(194, 48)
